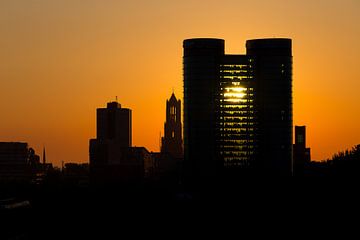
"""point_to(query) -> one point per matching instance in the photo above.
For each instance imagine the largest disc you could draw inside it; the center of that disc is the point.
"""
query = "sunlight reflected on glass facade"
(237, 108)
(236, 121)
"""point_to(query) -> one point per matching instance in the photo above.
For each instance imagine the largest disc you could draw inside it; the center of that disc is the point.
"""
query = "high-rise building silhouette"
(172, 140)
(114, 123)
(237, 108)
(113, 138)
(112, 158)
(273, 100)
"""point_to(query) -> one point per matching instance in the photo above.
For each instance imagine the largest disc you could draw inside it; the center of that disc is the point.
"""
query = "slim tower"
(172, 140)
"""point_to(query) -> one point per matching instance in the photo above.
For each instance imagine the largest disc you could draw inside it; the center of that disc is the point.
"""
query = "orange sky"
(60, 60)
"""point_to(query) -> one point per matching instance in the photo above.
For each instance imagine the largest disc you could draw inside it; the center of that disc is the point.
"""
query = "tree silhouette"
(343, 164)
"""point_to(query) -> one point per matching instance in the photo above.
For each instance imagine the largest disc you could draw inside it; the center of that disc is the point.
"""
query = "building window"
(300, 138)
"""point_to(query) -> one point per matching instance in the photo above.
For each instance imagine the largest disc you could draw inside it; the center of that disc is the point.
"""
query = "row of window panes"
(239, 161)
(237, 100)
(240, 78)
(246, 89)
(237, 107)
(234, 94)
(236, 118)
(234, 159)
(236, 153)
(240, 130)
(242, 141)
(234, 124)
(239, 112)
(241, 106)
(234, 65)
(237, 147)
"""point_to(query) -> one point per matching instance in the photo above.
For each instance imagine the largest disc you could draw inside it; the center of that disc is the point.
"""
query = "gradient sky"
(62, 59)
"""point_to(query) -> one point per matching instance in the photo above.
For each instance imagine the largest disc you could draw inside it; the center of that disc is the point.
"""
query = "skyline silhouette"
(75, 164)
(76, 57)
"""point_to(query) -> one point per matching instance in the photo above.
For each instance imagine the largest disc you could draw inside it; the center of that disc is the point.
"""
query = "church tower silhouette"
(172, 140)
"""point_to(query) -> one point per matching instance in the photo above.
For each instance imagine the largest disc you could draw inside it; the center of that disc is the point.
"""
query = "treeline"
(344, 163)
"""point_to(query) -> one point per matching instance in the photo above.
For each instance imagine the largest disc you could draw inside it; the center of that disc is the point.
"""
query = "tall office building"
(202, 58)
(172, 140)
(114, 123)
(237, 108)
(273, 80)
(111, 153)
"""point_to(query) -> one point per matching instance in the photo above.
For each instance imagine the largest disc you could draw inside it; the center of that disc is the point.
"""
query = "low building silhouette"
(76, 174)
(19, 163)
(301, 154)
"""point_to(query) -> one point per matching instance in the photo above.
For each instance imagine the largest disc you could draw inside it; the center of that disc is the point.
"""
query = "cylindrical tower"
(201, 75)
(272, 60)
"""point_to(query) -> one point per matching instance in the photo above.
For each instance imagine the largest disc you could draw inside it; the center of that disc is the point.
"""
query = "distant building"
(167, 163)
(237, 108)
(112, 158)
(300, 151)
(15, 161)
(114, 123)
(172, 140)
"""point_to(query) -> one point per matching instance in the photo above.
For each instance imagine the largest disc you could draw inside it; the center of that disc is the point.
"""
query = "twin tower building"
(237, 108)
(237, 111)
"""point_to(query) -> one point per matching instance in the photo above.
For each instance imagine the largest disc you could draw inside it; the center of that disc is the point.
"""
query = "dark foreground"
(68, 212)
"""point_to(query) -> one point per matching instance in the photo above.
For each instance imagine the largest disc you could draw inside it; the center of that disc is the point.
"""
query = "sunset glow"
(60, 60)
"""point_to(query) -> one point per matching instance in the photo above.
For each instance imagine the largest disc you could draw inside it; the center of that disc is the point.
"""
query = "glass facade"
(237, 108)
(201, 76)
(236, 122)
(273, 77)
